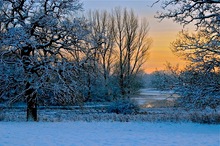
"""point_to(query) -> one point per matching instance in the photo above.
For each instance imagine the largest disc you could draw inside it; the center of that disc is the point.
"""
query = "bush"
(205, 118)
(198, 89)
(123, 106)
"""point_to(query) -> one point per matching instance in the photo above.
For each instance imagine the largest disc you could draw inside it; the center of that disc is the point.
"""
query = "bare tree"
(132, 45)
(102, 44)
(37, 42)
(120, 46)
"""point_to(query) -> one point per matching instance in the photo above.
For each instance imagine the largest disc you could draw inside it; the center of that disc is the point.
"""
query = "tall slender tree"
(132, 45)
(102, 44)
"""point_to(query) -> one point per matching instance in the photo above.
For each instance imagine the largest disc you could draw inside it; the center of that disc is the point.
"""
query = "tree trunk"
(89, 88)
(30, 93)
(31, 103)
(122, 85)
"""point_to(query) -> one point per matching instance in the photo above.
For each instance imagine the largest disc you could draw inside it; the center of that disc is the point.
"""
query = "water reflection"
(150, 97)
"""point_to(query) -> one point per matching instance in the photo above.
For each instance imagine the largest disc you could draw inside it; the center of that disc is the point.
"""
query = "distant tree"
(161, 80)
(165, 79)
(38, 41)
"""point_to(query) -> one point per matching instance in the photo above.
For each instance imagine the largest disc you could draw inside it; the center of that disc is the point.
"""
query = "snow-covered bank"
(108, 134)
(147, 115)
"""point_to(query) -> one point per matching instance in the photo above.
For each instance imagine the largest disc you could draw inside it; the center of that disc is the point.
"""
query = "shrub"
(205, 118)
(123, 106)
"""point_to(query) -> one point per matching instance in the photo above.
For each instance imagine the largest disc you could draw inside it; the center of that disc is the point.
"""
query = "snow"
(108, 133)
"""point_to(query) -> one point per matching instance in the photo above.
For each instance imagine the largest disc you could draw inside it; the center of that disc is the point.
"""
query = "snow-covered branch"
(203, 13)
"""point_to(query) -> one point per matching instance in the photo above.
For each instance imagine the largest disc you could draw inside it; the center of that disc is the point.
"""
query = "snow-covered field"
(108, 134)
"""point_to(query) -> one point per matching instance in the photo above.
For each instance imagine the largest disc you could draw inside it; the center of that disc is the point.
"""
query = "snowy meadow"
(108, 134)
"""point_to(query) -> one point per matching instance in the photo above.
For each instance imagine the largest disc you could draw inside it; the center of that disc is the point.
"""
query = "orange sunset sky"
(162, 33)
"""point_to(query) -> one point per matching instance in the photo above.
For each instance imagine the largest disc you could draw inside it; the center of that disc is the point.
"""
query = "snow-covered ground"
(108, 134)
(150, 128)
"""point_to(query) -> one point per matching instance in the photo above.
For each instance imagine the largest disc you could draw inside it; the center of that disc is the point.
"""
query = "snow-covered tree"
(198, 89)
(200, 81)
(201, 49)
(203, 13)
(38, 43)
